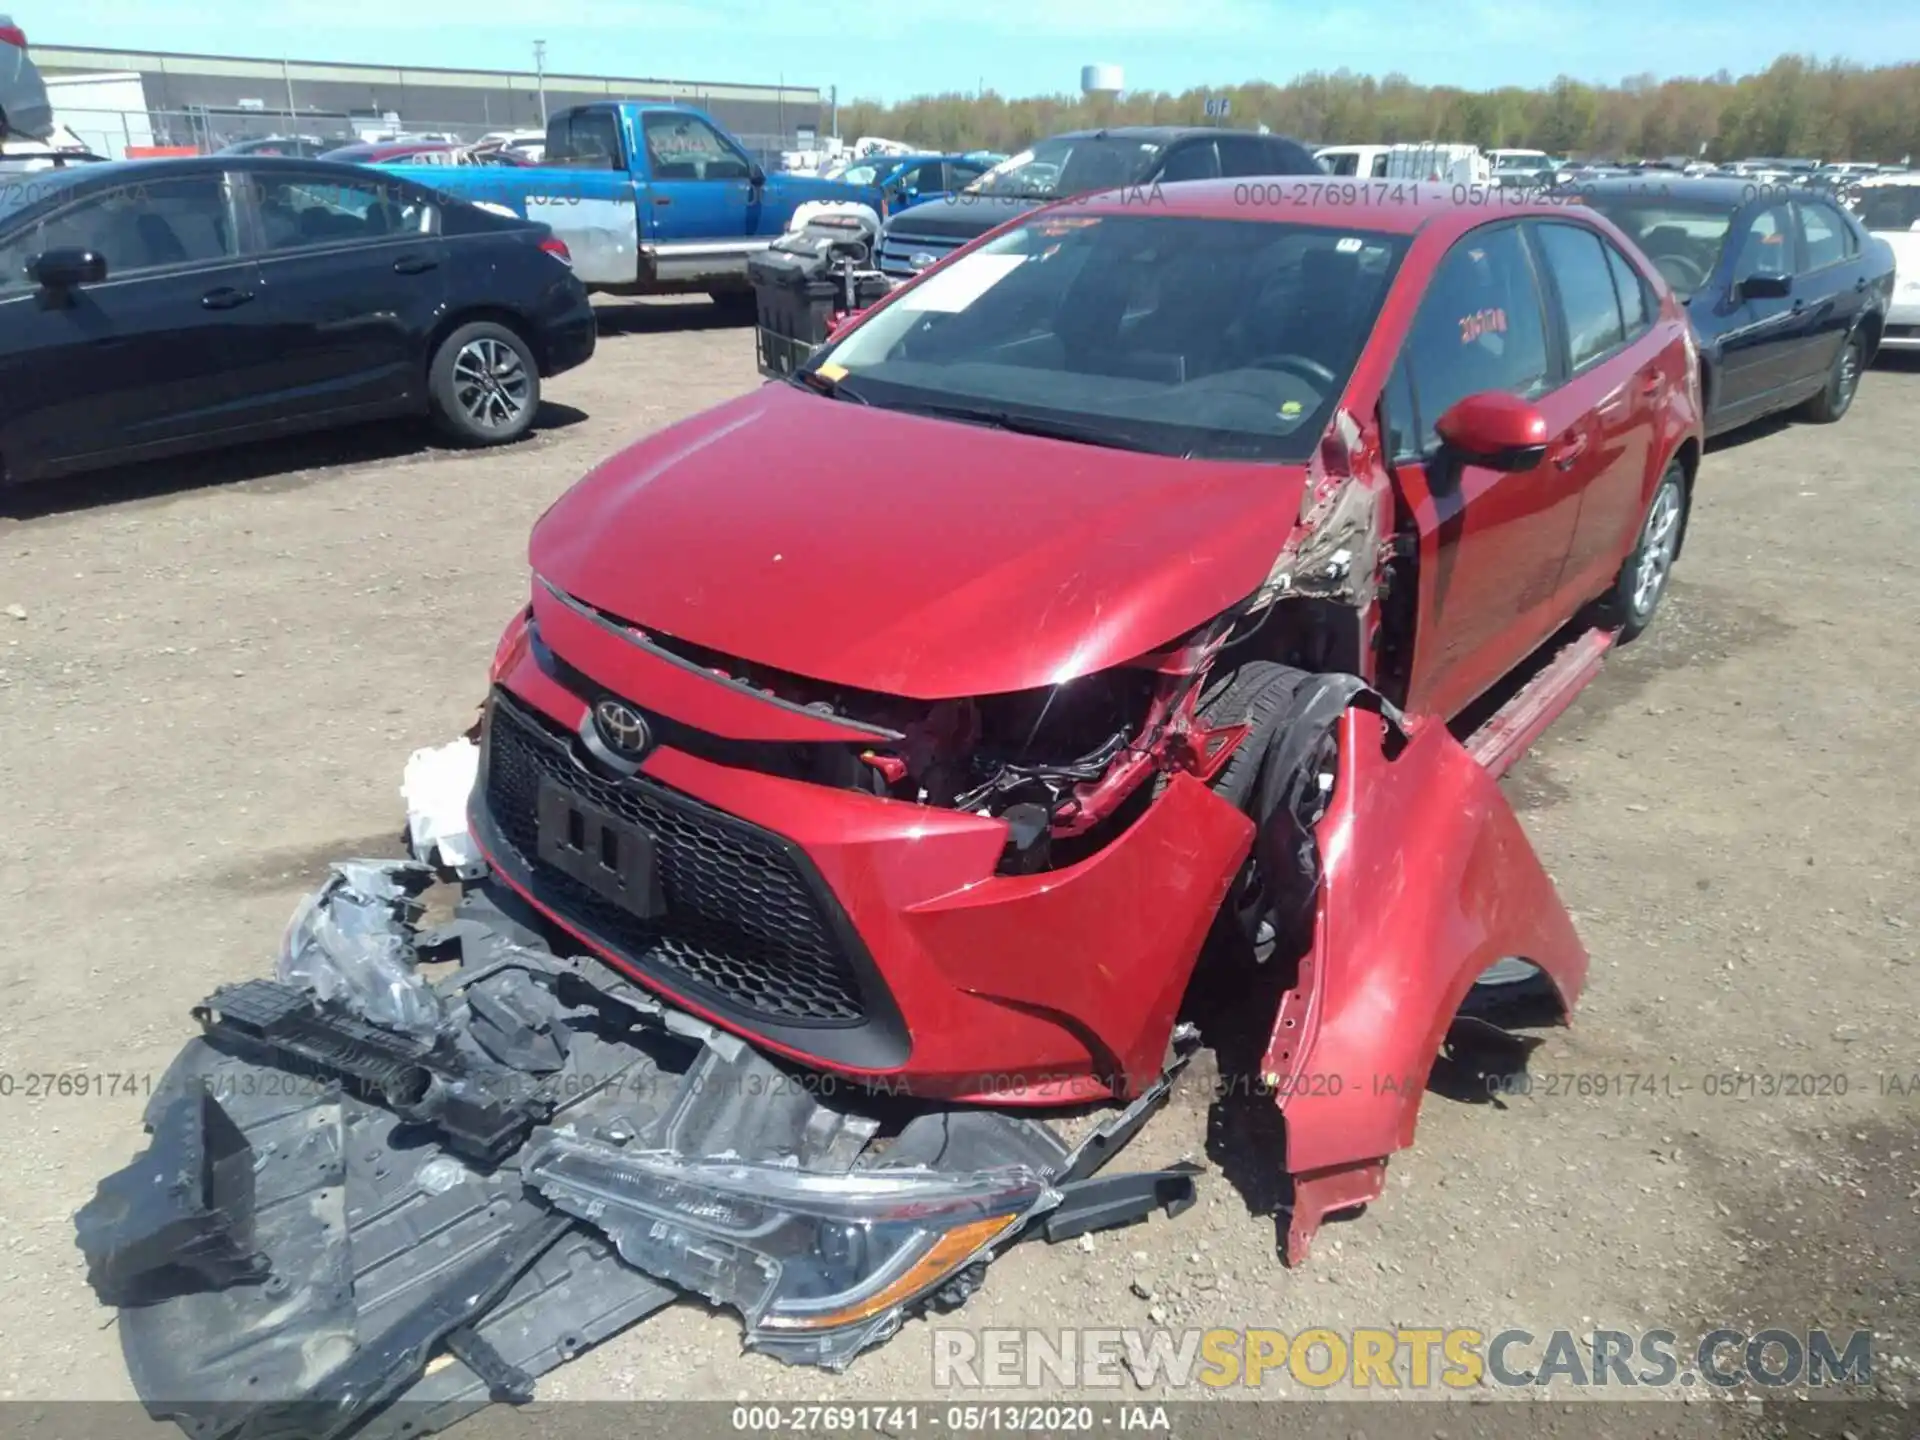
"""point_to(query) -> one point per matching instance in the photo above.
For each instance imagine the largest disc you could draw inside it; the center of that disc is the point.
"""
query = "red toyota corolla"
(1108, 589)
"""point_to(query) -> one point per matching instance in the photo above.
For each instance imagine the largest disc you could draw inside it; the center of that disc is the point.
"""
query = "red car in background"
(1155, 577)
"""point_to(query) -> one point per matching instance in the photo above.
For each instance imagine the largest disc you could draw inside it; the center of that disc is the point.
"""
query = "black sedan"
(150, 308)
(1788, 295)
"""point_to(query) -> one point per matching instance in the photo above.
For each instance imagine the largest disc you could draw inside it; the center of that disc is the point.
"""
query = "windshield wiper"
(820, 385)
(1080, 434)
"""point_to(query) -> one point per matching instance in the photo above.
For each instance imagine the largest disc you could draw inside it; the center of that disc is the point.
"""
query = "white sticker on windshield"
(1348, 245)
(961, 283)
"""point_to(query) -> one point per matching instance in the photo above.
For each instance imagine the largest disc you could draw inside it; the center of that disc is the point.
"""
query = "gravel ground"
(211, 672)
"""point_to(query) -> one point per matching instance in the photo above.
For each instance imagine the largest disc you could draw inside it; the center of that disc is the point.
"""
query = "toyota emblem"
(623, 728)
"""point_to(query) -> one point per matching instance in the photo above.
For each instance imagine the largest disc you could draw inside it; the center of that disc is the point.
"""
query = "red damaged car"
(1154, 576)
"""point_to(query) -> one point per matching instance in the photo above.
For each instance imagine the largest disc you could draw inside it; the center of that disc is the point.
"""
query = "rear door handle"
(1567, 455)
(415, 265)
(663, 199)
(226, 298)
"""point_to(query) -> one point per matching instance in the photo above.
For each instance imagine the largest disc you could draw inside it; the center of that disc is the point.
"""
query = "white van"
(1426, 161)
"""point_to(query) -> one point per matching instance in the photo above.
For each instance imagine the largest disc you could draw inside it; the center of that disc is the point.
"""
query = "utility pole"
(286, 74)
(540, 75)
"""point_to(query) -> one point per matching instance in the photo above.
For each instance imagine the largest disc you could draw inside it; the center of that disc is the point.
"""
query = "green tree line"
(1796, 107)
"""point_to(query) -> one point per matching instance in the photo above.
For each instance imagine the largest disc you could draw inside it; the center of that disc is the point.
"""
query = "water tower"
(1100, 85)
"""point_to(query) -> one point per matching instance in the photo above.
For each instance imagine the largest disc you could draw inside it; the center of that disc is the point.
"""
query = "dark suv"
(1082, 163)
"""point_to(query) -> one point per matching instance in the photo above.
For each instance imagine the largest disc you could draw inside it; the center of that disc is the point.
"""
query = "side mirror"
(756, 176)
(1764, 287)
(60, 270)
(1495, 430)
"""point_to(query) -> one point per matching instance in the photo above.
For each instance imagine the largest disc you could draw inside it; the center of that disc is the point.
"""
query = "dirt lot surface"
(211, 673)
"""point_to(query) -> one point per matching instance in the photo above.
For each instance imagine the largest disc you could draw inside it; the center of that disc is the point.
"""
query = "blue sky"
(887, 50)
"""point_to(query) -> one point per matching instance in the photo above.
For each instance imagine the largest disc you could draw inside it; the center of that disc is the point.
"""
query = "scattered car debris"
(366, 1187)
(435, 786)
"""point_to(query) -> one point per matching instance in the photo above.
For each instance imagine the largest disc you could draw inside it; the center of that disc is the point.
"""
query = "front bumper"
(872, 937)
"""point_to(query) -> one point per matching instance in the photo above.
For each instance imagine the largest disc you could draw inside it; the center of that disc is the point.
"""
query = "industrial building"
(114, 100)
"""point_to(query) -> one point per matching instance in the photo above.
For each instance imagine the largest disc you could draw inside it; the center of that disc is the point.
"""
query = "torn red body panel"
(1427, 880)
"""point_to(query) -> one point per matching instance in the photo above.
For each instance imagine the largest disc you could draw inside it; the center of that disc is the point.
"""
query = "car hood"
(961, 216)
(912, 556)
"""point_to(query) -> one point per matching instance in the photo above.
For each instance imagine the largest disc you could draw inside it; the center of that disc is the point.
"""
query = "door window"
(1636, 305)
(1195, 160)
(1822, 237)
(298, 213)
(136, 227)
(685, 147)
(1344, 164)
(1588, 303)
(927, 179)
(1479, 328)
(1766, 245)
(1243, 155)
(585, 140)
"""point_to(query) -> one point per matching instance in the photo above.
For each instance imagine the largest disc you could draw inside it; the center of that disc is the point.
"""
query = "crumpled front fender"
(1426, 880)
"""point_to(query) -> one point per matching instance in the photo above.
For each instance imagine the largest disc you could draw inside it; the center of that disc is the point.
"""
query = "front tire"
(1843, 383)
(483, 386)
(1642, 582)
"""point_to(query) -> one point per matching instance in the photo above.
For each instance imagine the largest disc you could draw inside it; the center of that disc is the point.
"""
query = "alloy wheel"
(1658, 542)
(491, 383)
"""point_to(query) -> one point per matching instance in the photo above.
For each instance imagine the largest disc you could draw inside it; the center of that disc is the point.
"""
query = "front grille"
(744, 923)
(897, 252)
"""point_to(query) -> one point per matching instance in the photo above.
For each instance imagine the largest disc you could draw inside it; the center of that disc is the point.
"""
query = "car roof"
(1891, 177)
(108, 172)
(1164, 134)
(1387, 207)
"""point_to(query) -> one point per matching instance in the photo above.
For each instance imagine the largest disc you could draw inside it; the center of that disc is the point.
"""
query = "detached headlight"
(815, 1263)
(350, 942)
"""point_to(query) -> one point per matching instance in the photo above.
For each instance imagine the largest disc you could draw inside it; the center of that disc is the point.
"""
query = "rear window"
(1207, 338)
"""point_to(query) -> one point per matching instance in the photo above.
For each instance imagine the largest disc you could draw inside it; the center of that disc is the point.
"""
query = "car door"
(155, 356)
(1491, 543)
(1758, 333)
(1829, 287)
(701, 183)
(1603, 309)
(352, 283)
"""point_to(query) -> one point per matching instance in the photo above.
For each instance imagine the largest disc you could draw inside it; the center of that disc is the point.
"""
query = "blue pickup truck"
(651, 199)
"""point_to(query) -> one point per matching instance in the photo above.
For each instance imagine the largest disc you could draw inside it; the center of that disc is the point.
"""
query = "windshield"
(1683, 239)
(1888, 207)
(1213, 339)
(860, 174)
(1070, 165)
